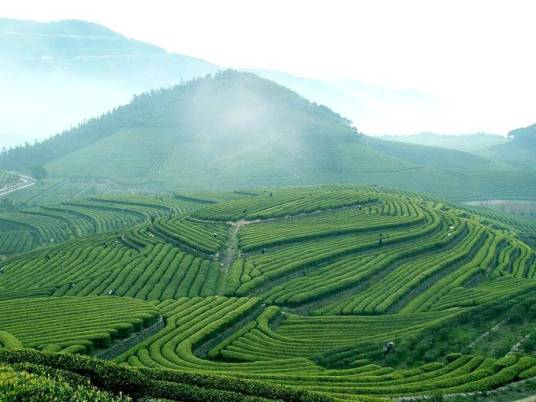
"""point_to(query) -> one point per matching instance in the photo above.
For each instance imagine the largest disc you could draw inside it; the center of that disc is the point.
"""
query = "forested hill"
(520, 151)
(236, 130)
(216, 116)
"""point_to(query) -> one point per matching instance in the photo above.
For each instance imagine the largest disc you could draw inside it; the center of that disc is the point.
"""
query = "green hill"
(237, 130)
(520, 150)
(433, 156)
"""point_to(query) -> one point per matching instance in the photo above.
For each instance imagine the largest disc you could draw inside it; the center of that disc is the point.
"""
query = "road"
(23, 182)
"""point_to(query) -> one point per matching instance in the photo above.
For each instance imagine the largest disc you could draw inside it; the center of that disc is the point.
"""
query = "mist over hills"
(234, 122)
(517, 150)
(236, 130)
(520, 150)
(474, 143)
(230, 130)
(365, 104)
(60, 73)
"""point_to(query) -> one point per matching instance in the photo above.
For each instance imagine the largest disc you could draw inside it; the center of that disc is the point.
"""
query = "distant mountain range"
(517, 150)
(475, 142)
(60, 73)
(236, 130)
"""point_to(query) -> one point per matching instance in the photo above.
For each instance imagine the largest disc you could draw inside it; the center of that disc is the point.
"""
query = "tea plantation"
(322, 293)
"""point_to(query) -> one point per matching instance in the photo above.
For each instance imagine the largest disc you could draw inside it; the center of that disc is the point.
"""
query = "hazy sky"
(477, 57)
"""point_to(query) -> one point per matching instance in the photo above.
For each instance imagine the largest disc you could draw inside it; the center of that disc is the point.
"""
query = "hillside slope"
(432, 156)
(238, 130)
(520, 150)
(230, 126)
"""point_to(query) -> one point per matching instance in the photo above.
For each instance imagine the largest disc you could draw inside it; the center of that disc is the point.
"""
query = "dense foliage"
(357, 293)
(136, 383)
(23, 229)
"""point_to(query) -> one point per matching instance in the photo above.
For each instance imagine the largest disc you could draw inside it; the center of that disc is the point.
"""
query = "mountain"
(59, 73)
(474, 143)
(231, 125)
(520, 150)
(237, 130)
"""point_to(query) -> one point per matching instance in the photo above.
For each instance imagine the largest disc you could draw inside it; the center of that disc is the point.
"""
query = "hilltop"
(232, 125)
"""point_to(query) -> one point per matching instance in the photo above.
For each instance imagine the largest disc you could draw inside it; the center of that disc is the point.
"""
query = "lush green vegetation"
(474, 143)
(354, 293)
(73, 324)
(37, 383)
(63, 376)
(28, 228)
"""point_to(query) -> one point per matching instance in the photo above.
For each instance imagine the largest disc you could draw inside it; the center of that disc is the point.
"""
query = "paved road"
(23, 182)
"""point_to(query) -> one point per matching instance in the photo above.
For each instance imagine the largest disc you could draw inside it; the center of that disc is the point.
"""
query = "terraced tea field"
(351, 293)
(29, 228)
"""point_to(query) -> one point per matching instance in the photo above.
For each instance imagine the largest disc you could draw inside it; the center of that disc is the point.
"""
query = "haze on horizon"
(473, 61)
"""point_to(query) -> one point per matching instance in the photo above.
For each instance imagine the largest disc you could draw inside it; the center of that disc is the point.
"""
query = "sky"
(476, 58)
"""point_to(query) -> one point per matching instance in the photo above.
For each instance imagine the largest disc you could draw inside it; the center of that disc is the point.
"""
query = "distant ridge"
(60, 73)
(63, 72)
(520, 150)
(475, 142)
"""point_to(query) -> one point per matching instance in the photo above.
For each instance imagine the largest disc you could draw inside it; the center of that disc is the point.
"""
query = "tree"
(39, 172)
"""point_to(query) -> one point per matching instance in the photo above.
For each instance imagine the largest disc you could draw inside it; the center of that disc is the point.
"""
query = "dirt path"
(122, 345)
(230, 248)
(518, 345)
